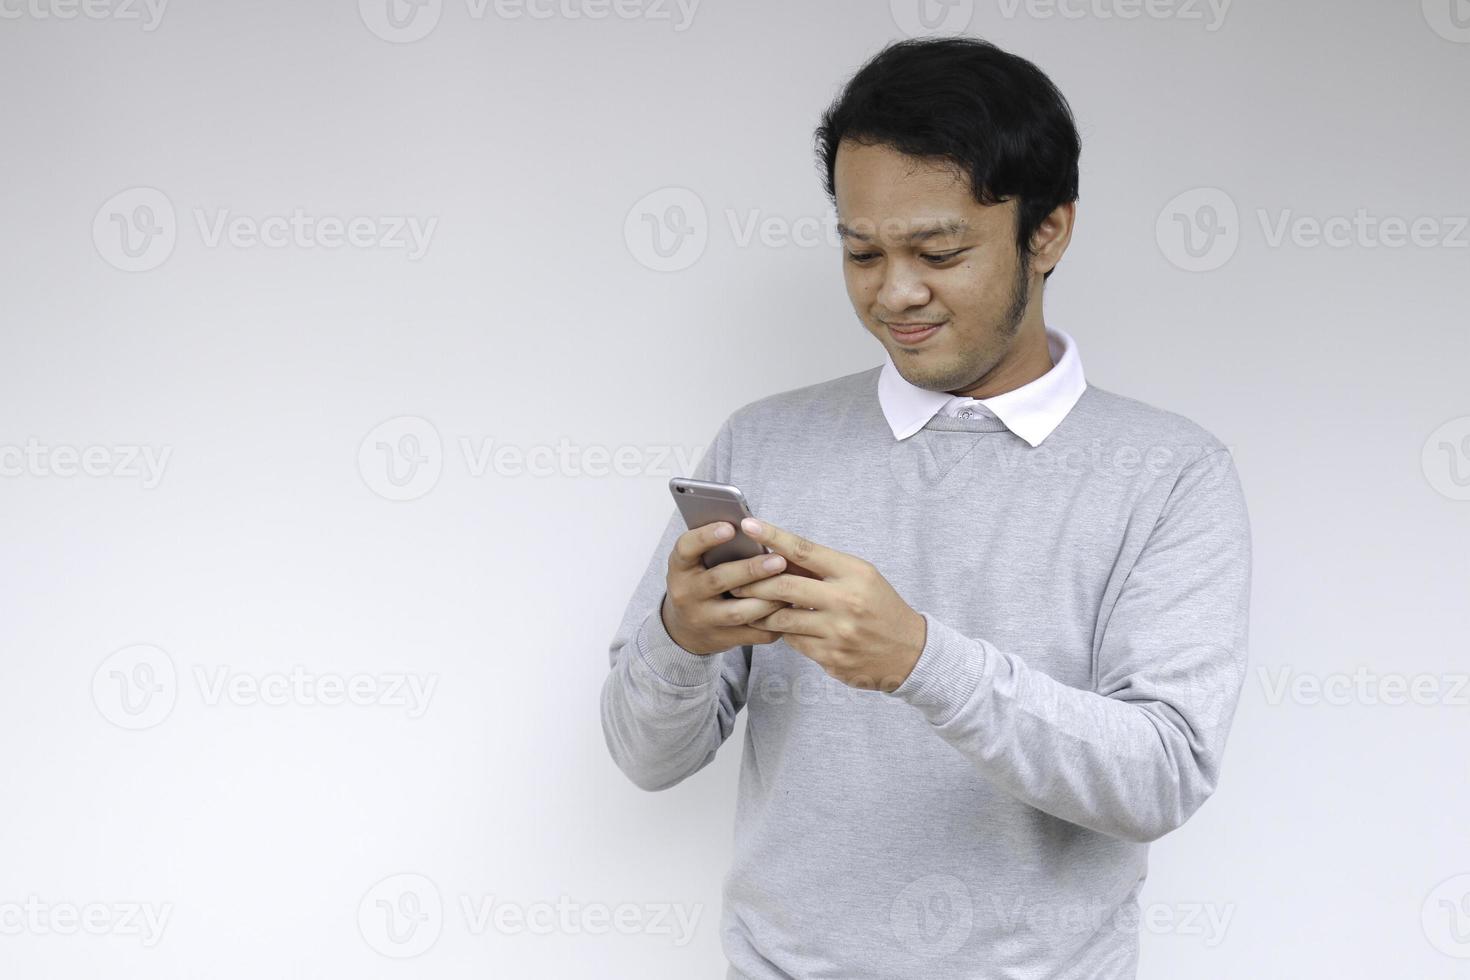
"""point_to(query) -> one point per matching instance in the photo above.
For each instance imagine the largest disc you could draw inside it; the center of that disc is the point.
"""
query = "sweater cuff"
(670, 662)
(949, 669)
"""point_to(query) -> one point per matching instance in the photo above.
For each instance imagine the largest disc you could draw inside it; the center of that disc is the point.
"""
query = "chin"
(931, 379)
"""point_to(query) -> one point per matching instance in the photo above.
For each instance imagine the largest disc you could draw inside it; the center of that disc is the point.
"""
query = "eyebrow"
(948, 227)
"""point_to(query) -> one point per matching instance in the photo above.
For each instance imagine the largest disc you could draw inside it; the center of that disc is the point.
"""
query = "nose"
(903, 288)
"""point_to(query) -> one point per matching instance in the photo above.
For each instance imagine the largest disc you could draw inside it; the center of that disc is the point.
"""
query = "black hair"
(994, 115)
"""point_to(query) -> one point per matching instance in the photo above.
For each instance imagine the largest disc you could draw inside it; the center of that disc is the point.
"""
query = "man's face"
(918, 249)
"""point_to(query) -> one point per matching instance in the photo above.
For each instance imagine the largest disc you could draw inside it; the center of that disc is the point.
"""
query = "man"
(1005, 635)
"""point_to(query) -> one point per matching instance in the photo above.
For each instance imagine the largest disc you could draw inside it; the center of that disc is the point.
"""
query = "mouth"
(912, 334)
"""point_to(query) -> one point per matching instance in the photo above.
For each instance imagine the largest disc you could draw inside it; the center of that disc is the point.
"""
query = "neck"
(1027, 359)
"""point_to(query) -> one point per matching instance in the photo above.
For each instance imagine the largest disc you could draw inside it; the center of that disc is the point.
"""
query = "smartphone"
(704, 503)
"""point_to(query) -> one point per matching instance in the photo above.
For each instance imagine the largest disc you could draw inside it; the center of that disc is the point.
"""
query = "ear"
(1051, 237)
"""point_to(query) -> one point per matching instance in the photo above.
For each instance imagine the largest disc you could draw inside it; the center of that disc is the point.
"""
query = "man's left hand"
(844, 615)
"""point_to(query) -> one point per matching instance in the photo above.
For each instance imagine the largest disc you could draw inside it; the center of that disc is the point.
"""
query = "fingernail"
(724, 531)
(772, 563)
(751, 525)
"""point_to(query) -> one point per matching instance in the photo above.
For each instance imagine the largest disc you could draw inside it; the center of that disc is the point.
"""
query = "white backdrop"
(347, 350)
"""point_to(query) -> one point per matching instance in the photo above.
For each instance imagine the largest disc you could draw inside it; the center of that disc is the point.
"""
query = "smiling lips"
(911, 334)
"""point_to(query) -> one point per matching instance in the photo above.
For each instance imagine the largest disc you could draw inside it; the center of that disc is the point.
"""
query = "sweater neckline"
(980, 423)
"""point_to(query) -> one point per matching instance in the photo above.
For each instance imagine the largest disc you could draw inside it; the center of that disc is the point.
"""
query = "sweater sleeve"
(665, 711)
(1136, 756)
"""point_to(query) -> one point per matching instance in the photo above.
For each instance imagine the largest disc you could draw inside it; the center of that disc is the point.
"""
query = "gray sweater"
(1086, 603)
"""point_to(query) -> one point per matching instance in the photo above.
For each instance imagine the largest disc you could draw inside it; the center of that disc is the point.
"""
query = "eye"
(937, 258)
(861, 257)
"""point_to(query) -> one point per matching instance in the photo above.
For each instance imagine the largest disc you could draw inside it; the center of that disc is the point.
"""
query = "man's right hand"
(694, 610)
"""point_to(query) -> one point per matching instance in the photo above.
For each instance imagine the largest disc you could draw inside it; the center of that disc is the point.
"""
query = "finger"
(752, 635)
(689, 547)
(809, 593)
(727, 575)
(735, 613)
(802, 622)
(825, 562)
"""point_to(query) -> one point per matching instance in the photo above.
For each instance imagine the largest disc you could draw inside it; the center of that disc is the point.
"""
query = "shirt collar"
(1031, 411)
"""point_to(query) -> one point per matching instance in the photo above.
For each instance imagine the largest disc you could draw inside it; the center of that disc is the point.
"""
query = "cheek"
(973, 286)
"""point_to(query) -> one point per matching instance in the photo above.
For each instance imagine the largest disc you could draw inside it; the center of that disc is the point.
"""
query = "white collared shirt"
(1031, 411)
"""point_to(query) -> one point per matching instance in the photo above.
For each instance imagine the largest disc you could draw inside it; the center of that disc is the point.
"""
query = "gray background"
(294, 386)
